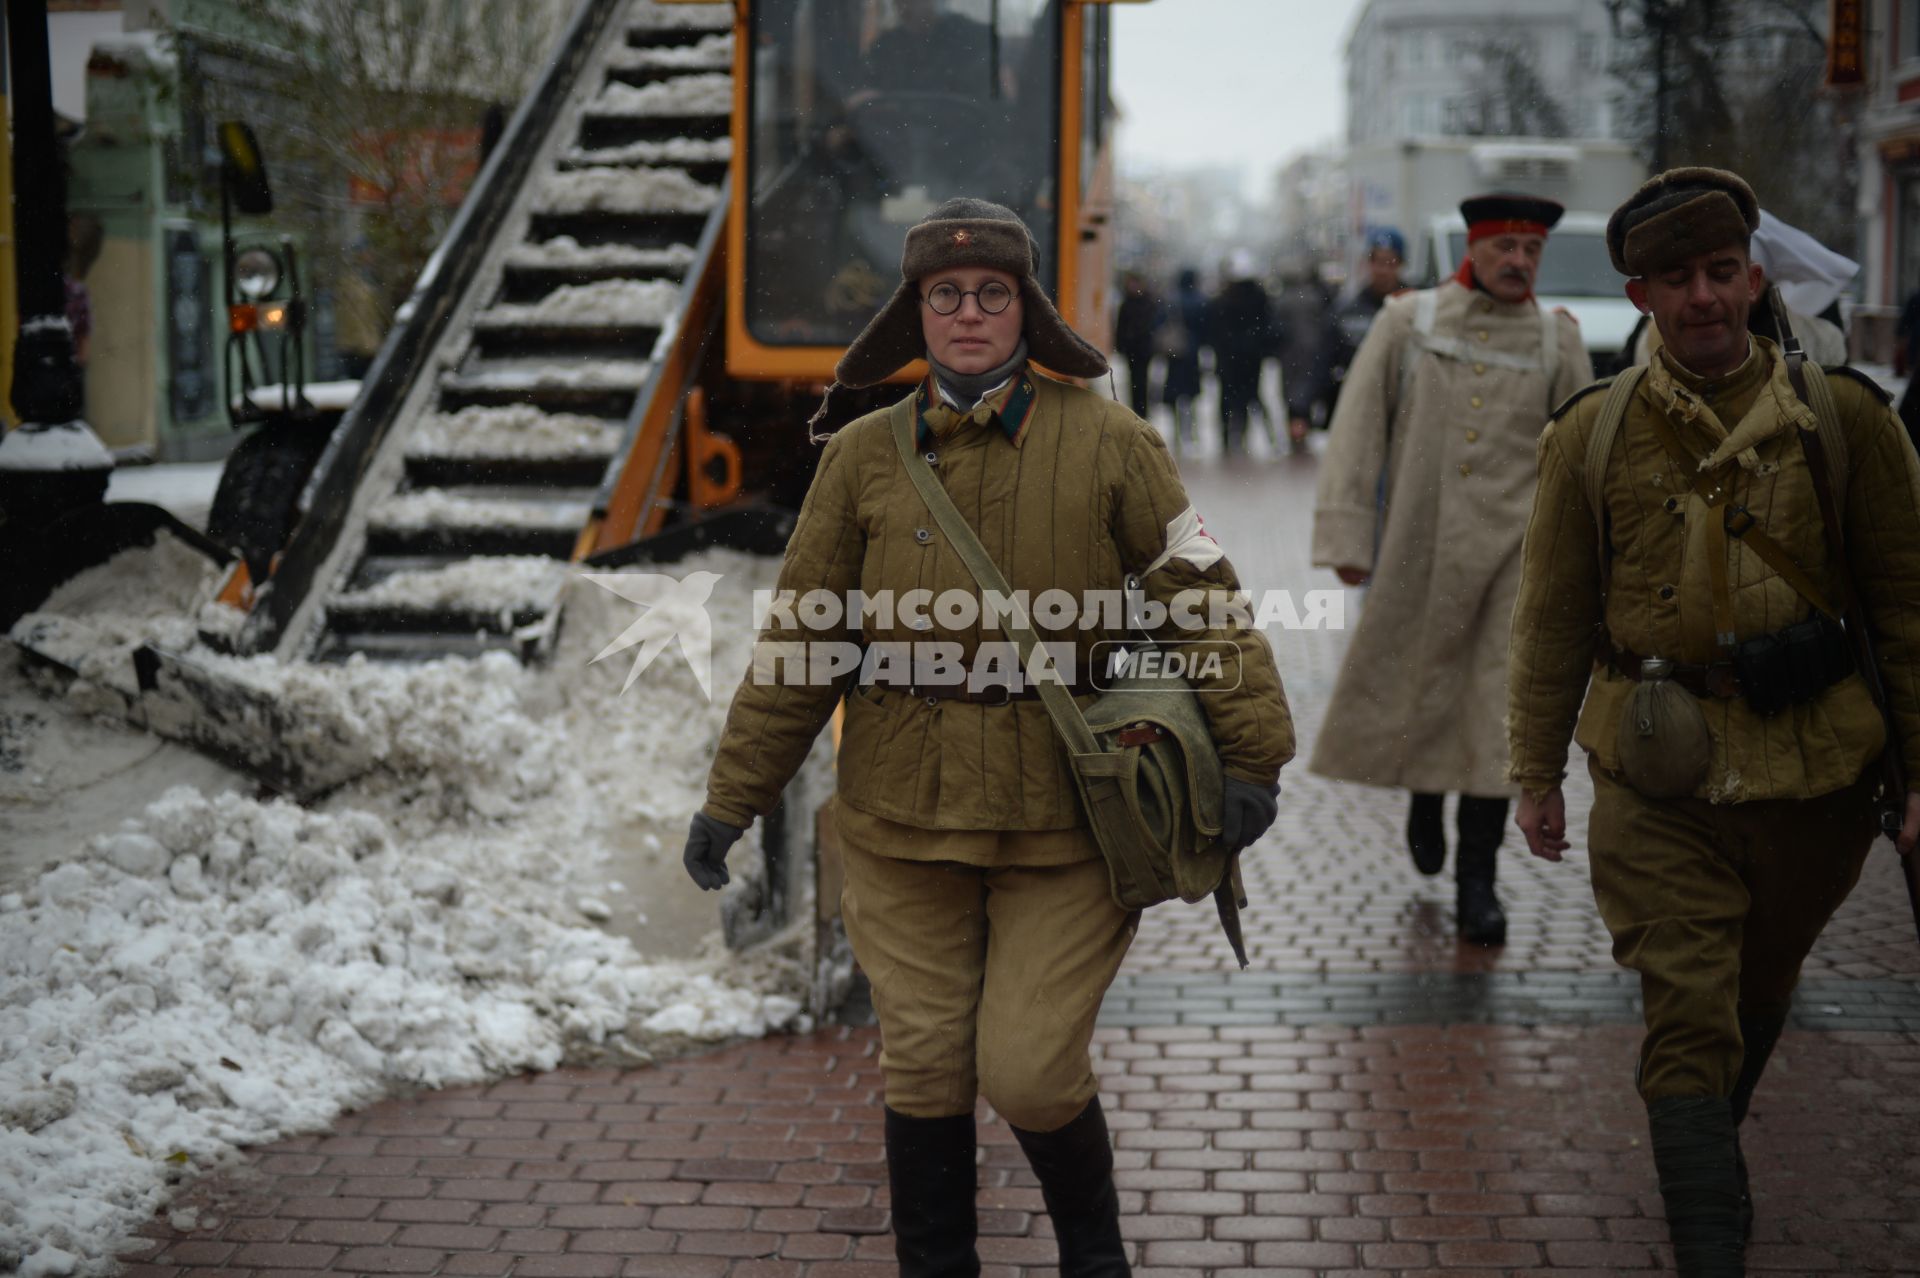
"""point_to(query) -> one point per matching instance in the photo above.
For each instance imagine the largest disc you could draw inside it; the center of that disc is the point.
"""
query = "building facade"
(1479, 68)
(1889, 145)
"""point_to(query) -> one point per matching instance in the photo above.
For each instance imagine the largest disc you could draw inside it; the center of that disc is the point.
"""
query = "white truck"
(1417, 185)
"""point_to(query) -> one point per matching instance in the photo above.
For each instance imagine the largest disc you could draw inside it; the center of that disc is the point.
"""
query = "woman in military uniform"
(976, 899)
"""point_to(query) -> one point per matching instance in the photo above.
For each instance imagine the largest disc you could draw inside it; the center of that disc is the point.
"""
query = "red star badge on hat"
(963, 237)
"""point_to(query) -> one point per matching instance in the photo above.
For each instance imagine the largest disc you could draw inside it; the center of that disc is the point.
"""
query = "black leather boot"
(1695, 1151)
(1075, 1167)
(1483, 824)
(930, 1169)
(1427, 833)
(1759, 1034)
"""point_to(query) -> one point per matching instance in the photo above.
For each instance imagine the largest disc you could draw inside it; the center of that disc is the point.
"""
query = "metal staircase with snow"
(517, 415)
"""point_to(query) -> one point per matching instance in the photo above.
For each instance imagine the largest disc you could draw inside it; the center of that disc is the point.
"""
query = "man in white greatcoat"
(1425, 491)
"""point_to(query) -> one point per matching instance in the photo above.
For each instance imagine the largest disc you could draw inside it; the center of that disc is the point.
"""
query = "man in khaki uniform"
(1438, 421)
(1716, 893)
(976, 899)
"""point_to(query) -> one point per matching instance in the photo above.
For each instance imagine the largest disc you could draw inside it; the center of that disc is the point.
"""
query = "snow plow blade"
(240, 726)
(39, 560)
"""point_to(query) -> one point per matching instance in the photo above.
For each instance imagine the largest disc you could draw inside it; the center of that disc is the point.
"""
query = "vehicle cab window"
(865, 115)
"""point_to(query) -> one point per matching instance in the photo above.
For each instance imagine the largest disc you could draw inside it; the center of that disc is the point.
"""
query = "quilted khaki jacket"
(1660, 602)
(1075, 498)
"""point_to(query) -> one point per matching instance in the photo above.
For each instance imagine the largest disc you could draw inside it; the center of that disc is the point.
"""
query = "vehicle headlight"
(256, 273)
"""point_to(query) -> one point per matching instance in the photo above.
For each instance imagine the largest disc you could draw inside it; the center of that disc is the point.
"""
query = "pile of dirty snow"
(603, 302)
(512, 430)
(710, 94)
(615, 190)
(221, 970)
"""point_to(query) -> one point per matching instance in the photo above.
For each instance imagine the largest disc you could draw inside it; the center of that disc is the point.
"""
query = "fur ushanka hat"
(965, 233)
(1680, 214)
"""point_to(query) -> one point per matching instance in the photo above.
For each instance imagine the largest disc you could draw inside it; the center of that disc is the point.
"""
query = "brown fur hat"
(1678, 214)
(965, 233)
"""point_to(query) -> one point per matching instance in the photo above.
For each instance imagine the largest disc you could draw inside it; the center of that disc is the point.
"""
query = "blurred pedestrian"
(1424, 490)
(1302, 315)
(1240, 330)
(1140, 317)
(1180, 340)
(1379, 280)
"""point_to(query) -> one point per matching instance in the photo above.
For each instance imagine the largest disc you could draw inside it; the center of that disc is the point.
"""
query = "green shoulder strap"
(1066, 716)
(1593, 470)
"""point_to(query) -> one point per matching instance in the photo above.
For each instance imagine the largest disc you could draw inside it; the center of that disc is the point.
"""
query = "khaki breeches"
(987, 980)
(1716, 907)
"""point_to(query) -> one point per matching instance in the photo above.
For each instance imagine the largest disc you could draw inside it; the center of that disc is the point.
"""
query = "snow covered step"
(439, 521)
(647, 21)
(704, 159)
(419, 594)
(515, 444)
(637, 64)
(625, 190)
(615, 312)
(598, 388)
(702, 94)
(533, 274)
(416, 648)
(515, 431)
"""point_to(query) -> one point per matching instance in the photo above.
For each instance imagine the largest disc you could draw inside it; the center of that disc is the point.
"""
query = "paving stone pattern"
(1371, 1098)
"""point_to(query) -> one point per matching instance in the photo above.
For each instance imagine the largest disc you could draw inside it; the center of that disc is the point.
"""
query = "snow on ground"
(603, 302)
(512, 430)
(711, 51)
(671, 151)
(485, 584)
(221, 970)
(683, 95)
(506, 375)
(620, 190)
(437, 508)
(564, 250)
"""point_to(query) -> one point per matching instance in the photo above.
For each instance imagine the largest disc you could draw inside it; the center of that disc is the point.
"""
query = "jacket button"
(1672, 504)
(933, 703)
(1482, 334)
(1666, 592)
(922, 536)
(1479, 368)
(1473, 437)
(1465, 470)
(1476, 401)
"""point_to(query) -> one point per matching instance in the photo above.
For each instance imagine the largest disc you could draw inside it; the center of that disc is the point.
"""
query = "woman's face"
(970, 340)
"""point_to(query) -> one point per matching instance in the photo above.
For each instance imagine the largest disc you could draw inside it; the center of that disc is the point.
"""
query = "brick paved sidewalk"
(1373, 1097)
(1242, 1150)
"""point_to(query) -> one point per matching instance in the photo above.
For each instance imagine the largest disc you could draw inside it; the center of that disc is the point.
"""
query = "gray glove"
(1248, 811)
(706, 854)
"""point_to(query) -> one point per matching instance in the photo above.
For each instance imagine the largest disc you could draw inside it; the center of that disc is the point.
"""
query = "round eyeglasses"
(992, 296)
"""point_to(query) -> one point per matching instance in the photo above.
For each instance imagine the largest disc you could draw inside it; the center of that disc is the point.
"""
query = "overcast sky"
(1245, 82)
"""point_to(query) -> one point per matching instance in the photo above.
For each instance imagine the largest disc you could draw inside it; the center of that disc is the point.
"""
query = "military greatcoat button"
(931, 457)
(1473, 437)
(1672, 504)
(1477, 402)
(922, 536)
(1465, 470)
(1666, 592)
(1479, 368)
(1482, 334)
